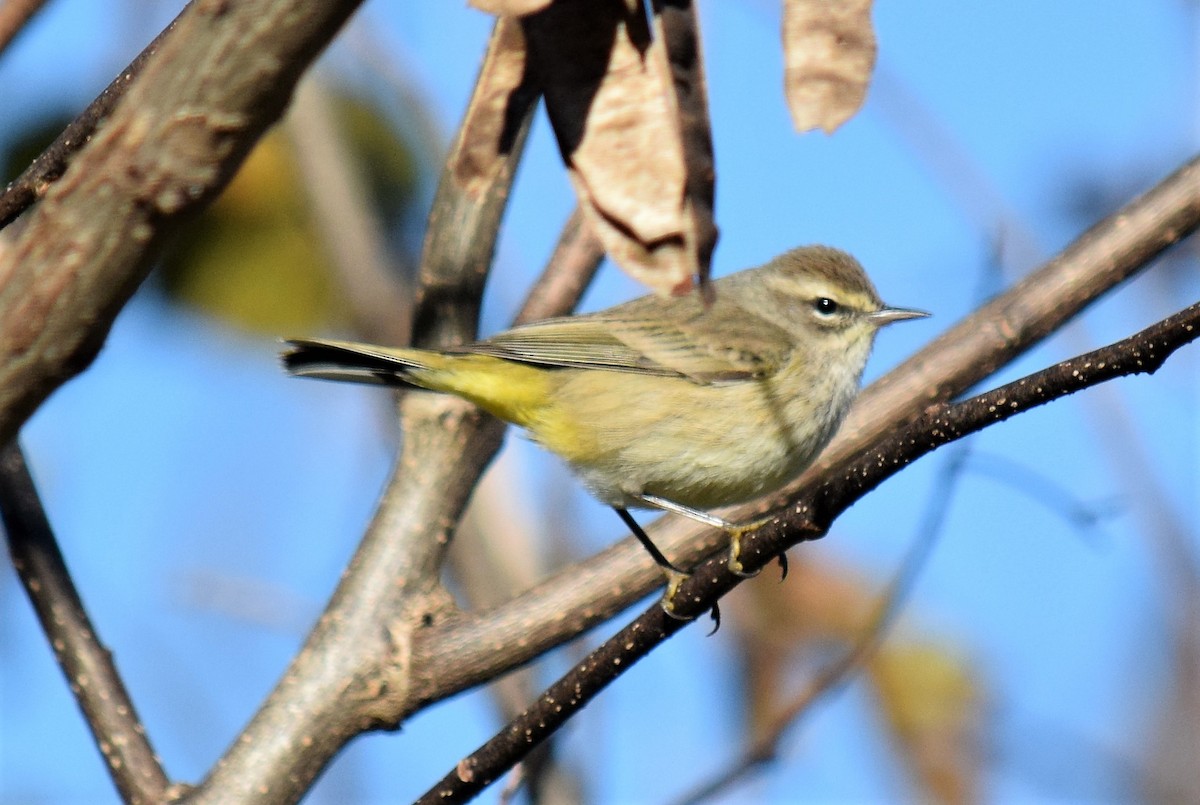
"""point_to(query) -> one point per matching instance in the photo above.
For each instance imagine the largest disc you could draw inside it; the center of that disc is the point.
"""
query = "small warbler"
(665, 403)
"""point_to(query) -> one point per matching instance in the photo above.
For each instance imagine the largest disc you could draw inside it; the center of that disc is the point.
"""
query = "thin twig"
(14, 14)
(809, 516)
(52, 163)
(354, 237)
(85, 662)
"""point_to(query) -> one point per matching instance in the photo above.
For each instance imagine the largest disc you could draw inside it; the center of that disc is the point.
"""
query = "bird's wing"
(721, 344)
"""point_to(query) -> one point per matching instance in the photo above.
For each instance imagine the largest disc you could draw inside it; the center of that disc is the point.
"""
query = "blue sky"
(184, 461)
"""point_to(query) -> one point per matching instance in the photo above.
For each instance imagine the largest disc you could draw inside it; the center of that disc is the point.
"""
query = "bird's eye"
(825, 306)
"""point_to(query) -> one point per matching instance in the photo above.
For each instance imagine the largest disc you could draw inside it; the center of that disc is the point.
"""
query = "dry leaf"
(510, 8)
(932, 702)
(829, 53)
(622, 109)
(490, 128)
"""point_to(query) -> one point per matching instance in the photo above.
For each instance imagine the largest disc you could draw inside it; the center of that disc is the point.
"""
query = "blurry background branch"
(376, 291)
(14, 14)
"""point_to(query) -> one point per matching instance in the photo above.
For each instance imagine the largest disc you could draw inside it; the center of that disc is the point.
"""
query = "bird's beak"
(887, 315)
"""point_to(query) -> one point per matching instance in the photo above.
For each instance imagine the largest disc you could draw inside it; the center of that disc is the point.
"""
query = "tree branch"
(568, 272)
(14, 14)
(85, 662)
(354, 672)
(185, 124)
(51, 164)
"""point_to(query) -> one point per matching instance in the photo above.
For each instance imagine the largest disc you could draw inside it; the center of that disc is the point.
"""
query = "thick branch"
(171, 144)
(811, 515)
(354, 672)
(205, 92)
(51, 164)
(87, 665)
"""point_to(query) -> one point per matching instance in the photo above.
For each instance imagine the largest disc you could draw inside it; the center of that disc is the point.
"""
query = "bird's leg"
(675, 576)
(735, 530)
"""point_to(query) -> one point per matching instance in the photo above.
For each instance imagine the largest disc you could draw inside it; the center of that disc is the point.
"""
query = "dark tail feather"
(349, 363)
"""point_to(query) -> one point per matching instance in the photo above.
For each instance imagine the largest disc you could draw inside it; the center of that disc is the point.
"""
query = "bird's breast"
(698, 445)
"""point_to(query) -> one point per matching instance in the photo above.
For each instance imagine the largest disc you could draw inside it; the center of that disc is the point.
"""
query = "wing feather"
(675, 337)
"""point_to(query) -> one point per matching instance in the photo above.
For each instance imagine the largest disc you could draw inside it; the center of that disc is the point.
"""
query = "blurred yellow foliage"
(932, 701)
(928, 696)
(254, 259)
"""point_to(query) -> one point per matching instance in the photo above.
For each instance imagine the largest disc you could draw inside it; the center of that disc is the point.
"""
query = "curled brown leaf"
(636, 145)
(829, 53)
(510, 8)
(490, 126)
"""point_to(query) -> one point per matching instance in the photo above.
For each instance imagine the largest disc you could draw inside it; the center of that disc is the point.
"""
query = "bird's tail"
(356, 363)
(512, 391)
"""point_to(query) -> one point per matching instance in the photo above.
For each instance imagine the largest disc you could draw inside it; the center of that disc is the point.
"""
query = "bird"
(682, 404)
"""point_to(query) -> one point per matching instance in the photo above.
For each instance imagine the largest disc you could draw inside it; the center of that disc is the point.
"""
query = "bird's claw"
(675, 578)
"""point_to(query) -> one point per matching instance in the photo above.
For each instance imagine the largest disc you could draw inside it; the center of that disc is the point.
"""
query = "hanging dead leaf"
(510, 8)
(829, 53)
(490, 126)
(631, 120)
